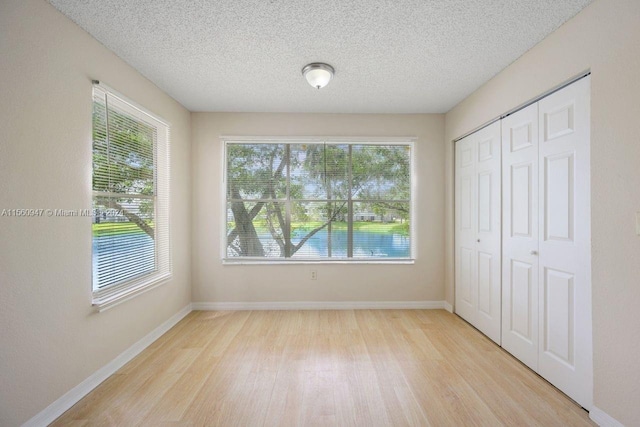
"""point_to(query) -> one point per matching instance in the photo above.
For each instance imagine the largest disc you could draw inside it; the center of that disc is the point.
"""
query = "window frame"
(111, 295)
(396, 140)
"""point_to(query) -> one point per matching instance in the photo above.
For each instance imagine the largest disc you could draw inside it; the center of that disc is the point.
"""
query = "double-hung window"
(130, 188)
(318, 200)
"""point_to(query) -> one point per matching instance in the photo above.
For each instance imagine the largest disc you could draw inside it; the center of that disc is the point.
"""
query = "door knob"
(534, 252)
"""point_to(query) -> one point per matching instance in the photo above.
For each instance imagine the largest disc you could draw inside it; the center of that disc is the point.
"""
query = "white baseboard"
(57, 408)
(448, 307)
(318, 305)
(603, 419)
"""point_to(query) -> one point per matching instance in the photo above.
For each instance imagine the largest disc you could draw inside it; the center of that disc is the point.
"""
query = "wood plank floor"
(335, 368)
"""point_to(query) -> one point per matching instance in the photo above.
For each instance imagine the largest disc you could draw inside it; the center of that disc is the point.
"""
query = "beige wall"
(605, 38)
(214, 282)
(51, 339)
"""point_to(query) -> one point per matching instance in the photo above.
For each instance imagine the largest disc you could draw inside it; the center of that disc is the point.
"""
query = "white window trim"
(306, 261)
(103, 299)
(392, 140)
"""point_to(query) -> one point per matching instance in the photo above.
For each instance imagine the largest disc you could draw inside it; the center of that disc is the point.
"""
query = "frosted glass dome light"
(318, 74)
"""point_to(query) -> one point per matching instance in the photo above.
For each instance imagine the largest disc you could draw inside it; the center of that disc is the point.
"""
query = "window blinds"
(130, 194)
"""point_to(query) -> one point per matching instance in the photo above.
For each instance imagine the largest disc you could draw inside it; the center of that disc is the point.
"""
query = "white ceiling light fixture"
(318, 74)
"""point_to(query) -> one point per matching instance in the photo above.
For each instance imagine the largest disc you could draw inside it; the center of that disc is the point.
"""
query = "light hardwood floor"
(342, 368)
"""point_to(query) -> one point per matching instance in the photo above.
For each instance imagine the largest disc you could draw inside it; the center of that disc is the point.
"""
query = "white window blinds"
(130, 186)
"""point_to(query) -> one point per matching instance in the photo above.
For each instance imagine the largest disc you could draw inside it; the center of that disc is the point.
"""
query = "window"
(130, 187)
(327, 200)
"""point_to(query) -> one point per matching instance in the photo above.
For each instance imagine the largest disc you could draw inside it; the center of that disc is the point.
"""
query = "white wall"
(604, 37)
(214, 282)
(51, 338)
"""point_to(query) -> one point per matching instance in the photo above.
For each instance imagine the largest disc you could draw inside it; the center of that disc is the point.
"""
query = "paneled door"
(564, 308)
(466, 300)
(478, 243)
(520, 235)
(546, 258)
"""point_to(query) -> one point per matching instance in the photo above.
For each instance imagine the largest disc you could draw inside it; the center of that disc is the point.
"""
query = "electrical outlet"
(638, 223)
(314, 274)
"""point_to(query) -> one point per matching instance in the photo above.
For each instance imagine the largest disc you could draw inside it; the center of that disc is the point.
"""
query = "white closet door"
(489, 248)
(520, 235)
(466, 301)
(565, 351)
(478, 243)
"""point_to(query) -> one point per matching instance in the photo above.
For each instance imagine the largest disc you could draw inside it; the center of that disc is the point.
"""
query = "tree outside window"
(318, 200)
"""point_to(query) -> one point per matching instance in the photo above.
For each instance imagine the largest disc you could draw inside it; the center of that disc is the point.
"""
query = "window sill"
(358, 261)
(105, 299)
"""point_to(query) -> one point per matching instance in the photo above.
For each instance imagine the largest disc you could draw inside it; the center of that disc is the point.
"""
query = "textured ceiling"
(404, 56)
